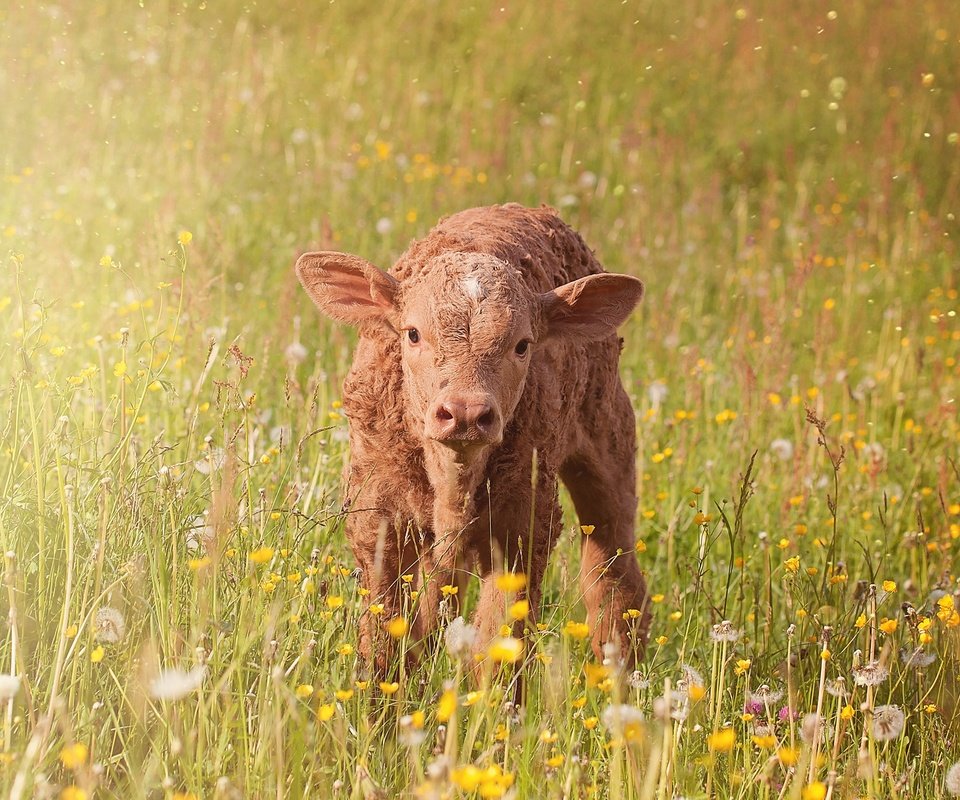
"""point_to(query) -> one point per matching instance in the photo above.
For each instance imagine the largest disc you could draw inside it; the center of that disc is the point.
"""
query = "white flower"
(951, 781)
(175, 684)
(766, 696)
(460, 637)
(384, 226)
(110, 625)
(918, 658)
(9, 687)
(887, 723)
(782, 449)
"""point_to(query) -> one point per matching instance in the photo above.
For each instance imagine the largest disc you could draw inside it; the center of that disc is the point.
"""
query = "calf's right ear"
(348, 288)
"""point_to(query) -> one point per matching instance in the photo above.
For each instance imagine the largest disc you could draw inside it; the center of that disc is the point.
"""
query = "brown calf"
(489, 347)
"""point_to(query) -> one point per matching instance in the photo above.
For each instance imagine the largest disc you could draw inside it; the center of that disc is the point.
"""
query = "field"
(180, 606)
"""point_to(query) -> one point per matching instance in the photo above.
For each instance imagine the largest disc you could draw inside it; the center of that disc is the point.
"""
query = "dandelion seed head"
(110, 625)
(459, 638)
(888, 722)
(809, 725)
(951, 781)
(765, 695)
(175, 684)
(873, 673)
(9, 687)
(917, 658)
(725, 632)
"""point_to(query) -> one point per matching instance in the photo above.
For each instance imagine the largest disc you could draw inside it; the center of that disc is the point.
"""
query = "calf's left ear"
(590, 308)
(348, 288)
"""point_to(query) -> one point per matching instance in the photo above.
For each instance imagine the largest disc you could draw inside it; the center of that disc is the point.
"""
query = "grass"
(785, 180)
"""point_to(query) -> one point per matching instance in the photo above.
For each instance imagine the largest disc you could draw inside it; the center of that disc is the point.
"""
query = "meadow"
(180, 608)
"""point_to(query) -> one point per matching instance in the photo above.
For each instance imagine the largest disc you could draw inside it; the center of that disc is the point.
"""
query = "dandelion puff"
(412, 733)
(873, 673)
(951, 781)
(175, 684)
(782, 449)
(808, 727)
(887, 723)
(110, 625)
(766, 696)
(295, 353)
(639, 681)
(620, 717)
(657, 393)
(837, 688)
(917, 658)
(460, 638)
(678, 707)
(725, 632)
(9, 687)
(690, 677)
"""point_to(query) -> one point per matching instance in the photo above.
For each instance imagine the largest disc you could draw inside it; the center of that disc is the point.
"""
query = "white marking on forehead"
(472, 288)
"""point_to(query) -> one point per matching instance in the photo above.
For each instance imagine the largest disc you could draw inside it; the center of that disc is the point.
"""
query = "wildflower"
(788, 756)
(792, 564)
(691, 677)
(657, 393)
(519, 610)
(782, 449)
(951, 781)
(888, 626)
(459, 638)
(343, 694)
(724, 632)
(555, 761)
(303, 691)
(586, 530)
(576, 630)
(74, 756)
(505, 649)
(814, 791)
(447, 705)
(325, 712)
(722, 741)
(184, 238)
(261, 555)
(175, 684)
(389, 688)
(346, 649)
(873, 673)
(743, 664)
(397, 627)
(887, 722)
(846, 713)
(334, 601)
(765, 740)
(678, 707)
(511, 582)
(411, 729)
(9, 687)
(787, 713)
(97, 654)
(73, 793)
(624, 720)
(376, 609)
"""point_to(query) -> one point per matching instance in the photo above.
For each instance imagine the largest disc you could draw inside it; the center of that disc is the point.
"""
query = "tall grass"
(181, 606)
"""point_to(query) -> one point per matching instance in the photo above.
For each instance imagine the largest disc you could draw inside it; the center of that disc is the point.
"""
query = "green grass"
(784, 179)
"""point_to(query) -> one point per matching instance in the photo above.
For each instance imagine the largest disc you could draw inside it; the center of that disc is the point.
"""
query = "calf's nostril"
(486, 419)
(444, 414)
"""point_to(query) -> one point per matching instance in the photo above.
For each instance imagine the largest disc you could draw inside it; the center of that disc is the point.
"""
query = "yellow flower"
(474, 697)
(846, 713)
(767, 742)
(74, 756)
(408, 578)
(326, 712)
(519, 610)
(825, 654)
(397, 627)
(579, 702)
(376, 609)
(96, 656)
(814, 791)
(555, 761)
(788, 756)
(792, 564)
(184, 238)
(586, 530)
(742, 666)
(861, 621)
(198, 564)
(722, 741)
(548, 737)
(334, 601)
(345, 649)
(303, 691)
(389, 688)
(448, 590)
(467, 778)
(641, 546)
(888, 626)
(343, 694)
(511, 582)
(447, 705)
(595, 673)
(361, 685)
(890, 586)
(505, 649)
(696, 692)
(576, 630)
(73, 793)
(261, 555)
(590, 723)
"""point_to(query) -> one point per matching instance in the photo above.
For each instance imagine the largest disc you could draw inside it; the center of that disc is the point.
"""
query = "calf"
(486, 369)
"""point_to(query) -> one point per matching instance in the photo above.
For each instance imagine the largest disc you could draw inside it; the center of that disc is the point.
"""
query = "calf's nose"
(464, 419)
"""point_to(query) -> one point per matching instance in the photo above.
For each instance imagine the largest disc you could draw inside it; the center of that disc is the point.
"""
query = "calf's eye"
(521, 348)
(413, 335)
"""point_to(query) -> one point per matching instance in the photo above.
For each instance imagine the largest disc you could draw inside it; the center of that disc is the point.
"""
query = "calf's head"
(469, 328)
